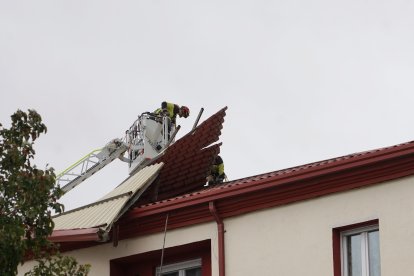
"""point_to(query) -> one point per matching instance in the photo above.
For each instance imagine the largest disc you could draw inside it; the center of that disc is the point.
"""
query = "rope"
(163, 245)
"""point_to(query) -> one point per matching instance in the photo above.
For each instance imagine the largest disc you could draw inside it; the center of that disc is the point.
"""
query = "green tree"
(58, 265)
(28, 196)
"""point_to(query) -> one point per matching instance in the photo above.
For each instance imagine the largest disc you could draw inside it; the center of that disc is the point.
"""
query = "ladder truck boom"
(90, 164)
(147, 139)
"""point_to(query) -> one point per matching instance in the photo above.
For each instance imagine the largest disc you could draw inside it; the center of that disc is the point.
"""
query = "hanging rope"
(163, 245)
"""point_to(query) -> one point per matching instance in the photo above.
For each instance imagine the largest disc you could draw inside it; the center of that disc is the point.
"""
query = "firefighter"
(172, 110)
(217, 174)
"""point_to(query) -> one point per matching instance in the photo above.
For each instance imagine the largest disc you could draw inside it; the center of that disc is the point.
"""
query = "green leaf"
(27, 197)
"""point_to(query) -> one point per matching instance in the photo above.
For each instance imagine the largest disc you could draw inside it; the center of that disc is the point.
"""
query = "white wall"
(292, 240)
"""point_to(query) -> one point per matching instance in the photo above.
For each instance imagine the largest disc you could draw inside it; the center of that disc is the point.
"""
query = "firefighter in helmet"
(217, 174)
(172, 110)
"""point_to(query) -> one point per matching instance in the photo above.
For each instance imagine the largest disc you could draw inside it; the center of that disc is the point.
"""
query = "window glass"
(374, 253)
(170, 274)
(186, 268)
(193, 272)
(354, 255)
(361, 252)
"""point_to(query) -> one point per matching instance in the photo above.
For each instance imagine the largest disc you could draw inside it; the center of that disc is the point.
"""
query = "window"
(188, 268)
(360, 252)
(192, 259)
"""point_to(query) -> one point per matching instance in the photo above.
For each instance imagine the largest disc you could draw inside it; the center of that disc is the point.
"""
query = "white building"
(352, 215)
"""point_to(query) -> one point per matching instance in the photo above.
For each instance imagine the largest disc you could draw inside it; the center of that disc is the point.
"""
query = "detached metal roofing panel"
(103, 212)
(135, 182)
(188, 160)
(98, 214)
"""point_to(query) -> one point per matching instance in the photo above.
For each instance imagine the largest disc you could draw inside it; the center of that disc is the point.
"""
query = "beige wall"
(292, 240)
(99, 256)
(296, 239)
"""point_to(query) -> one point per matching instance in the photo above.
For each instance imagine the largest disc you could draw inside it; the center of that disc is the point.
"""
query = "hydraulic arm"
(145, 140)
(90, 164)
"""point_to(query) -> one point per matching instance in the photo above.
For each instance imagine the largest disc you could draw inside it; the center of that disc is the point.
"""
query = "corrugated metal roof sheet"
(98, 214)
(103, 212)
(133, 183)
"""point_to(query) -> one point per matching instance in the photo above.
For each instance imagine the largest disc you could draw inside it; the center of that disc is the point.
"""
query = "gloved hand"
(165, 112)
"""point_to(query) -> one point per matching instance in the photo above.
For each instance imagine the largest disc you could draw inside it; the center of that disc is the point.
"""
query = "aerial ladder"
(145, 141)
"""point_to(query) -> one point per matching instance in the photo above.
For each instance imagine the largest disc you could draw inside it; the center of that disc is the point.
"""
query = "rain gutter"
(220, 234)
(85, 234)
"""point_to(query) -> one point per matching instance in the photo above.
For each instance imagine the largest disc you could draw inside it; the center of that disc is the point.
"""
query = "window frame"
(180, 267)
(337, 242)
(363, 233)
(145, 263)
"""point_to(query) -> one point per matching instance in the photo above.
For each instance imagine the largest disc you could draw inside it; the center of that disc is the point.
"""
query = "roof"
(181, 169)
(273, 189)
(179, 193)
(321, 167)
(188, 160)
(97, 218)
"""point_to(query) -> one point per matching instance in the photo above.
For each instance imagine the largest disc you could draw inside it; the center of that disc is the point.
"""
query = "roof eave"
(76, 235)
(231, 190)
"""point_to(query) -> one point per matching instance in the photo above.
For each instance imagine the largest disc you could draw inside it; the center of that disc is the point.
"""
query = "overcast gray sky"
(303, 80)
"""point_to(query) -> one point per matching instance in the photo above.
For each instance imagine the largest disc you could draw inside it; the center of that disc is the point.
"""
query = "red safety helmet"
(185, 111)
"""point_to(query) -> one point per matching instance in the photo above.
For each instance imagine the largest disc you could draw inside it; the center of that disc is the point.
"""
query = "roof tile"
(188, 160)
(275, 175)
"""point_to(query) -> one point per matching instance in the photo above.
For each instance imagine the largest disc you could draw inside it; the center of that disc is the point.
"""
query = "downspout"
(220, 233)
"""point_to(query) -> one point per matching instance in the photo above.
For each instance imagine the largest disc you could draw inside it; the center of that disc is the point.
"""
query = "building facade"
(351, 215)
